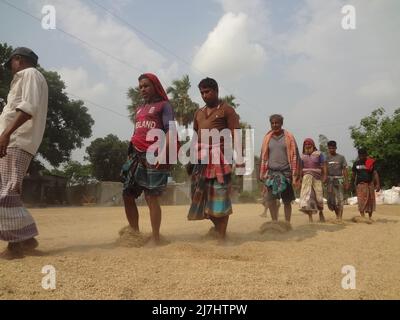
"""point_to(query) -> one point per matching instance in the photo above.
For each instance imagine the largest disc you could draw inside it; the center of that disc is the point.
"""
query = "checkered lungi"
(335, 193)
(16, 223)
(209, 197)
(138, 176)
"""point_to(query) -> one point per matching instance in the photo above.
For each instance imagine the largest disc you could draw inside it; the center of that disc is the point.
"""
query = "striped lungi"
(210, 198)
(16, 223)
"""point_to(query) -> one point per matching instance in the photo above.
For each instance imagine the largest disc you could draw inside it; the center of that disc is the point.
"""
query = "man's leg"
(131, 211)
(288, 211)
(273, 209)
(155, 216)
(13, 168)
(223, 225)
(339, 213)
(287, 197)
(321, 216)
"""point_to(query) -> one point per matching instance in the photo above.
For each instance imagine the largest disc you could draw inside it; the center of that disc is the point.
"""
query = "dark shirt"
(363, 175)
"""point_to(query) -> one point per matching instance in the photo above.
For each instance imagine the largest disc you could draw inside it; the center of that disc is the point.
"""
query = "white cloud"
(234, 49)
(126, 54)
(78, 83)
(347, 73)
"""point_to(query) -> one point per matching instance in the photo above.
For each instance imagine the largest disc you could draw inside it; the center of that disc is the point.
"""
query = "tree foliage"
(107, 155)
(184, 107)
(136, 100)
(77, 173)
(380, 135)
(68, 121)
(323, 143)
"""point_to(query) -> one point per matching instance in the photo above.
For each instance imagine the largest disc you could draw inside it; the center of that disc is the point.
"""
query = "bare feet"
(161, 241)
(212, 233)
(30, 244)
(13, 251)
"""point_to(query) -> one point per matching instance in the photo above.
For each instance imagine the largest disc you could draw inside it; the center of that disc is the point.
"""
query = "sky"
(291, 57)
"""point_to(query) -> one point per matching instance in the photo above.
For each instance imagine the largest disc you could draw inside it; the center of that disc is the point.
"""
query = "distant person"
(22, 125)
(366, 180)
(212, 182)
(279, 169)
(313, 175)
(337, 181)
(138, 174)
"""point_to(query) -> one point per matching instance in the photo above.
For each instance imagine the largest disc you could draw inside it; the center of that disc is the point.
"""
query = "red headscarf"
(311, 141)
(157, 85)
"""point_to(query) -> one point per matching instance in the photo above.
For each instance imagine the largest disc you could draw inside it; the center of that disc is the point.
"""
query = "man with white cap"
(22, 124)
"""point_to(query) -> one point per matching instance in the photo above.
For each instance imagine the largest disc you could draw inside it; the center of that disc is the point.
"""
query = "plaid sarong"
(335, 193)
(210, 198)
(137, 175)
(16, 223)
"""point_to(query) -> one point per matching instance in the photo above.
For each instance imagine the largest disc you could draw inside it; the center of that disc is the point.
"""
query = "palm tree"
(230, 99)
(136, 100)
(184, 107)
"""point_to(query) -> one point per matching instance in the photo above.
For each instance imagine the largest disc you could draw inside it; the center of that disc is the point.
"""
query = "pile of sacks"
(390, 196)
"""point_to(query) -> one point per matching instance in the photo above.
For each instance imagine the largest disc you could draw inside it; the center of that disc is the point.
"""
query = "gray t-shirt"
(278, 159)
(336, 164)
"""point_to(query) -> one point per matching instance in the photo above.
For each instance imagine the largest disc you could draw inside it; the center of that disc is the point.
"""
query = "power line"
(76, 38)
(160, 45)
(112, 56)
(143, 34)
(98, 105)
(87, 44)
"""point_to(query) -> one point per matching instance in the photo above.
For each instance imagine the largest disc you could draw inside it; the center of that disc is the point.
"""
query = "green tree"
(136, 100)
(107, 155)
(184, 107)
(380, 135)
(230, 99)
(77, 173)
(5, 75)
(68, 121)
(323, 143)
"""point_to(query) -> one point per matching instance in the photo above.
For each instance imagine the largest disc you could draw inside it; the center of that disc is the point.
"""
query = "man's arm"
(19, 120)
(377, 182)
(324, 171)
(353, 177)
(346, 178)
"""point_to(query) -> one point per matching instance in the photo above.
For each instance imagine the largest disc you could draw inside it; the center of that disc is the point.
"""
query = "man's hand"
(4, 142)
(297, 183)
